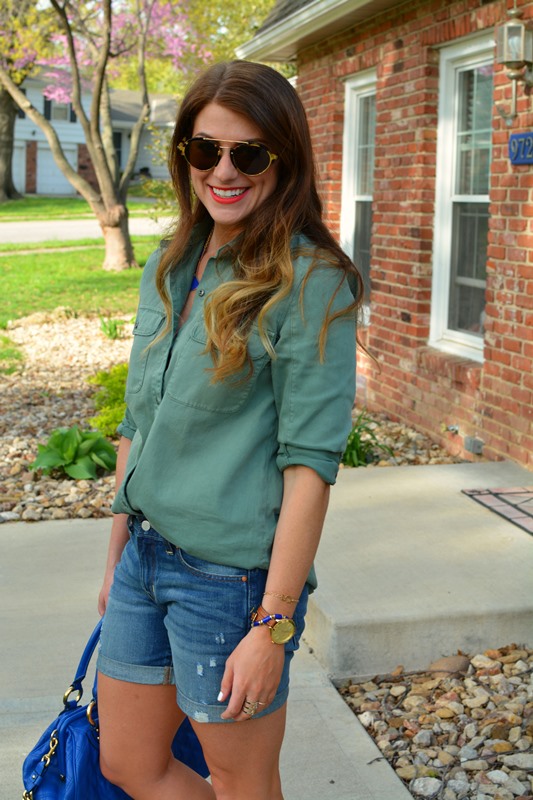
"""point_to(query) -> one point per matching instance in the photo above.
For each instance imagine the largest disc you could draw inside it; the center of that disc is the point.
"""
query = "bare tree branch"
(107, 133)
(145, 110)
(79, 183)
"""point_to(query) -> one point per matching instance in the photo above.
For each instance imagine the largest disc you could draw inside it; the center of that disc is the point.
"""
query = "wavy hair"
(263, 271)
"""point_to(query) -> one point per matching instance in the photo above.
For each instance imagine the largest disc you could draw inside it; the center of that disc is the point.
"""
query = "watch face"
(282, 631)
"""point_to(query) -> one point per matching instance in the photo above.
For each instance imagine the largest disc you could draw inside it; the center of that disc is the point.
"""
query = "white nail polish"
(220, 696)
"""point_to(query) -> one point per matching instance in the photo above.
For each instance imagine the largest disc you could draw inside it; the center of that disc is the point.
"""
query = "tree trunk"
(8, 116)
(118, 247)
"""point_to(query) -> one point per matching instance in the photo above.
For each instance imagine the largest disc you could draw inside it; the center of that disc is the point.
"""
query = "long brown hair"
(263, 271)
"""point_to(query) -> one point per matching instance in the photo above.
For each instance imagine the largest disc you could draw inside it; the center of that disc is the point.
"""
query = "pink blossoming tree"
(93, 39)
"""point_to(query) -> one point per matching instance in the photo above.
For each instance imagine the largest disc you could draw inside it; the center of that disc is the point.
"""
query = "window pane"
(366, 144)
(362, 239)
(474, 130)
(468, 267)
(60, 111)
(470, 219)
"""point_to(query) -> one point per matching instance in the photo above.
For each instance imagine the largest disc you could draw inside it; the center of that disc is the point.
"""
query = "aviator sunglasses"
(249, 158)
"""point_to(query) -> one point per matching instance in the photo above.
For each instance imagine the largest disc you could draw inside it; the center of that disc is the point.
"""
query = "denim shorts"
(173, 618)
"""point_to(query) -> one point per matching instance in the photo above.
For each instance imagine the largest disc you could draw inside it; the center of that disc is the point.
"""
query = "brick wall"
(506, 405)
(31, 167)
(423, 386)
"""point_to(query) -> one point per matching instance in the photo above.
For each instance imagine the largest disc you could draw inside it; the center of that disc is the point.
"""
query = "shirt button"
(201, 292)
(145, 525)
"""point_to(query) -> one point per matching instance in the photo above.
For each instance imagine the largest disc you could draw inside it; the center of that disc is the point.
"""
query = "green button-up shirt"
(206, 459)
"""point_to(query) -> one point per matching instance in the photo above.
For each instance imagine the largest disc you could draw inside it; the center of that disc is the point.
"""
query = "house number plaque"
(521, 148)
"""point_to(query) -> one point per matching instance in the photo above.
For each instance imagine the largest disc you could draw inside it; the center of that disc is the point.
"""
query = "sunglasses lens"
(200, 154)
(251, 159)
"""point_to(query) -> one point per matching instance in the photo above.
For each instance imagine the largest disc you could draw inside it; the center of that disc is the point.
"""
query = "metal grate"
(514, 504)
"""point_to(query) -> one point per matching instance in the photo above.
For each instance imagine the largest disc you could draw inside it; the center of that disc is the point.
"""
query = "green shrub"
(79, 454)
(109, 399)
(363, 446)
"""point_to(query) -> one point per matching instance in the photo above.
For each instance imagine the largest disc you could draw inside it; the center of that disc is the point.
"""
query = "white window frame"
(453, 59)
(356, 88)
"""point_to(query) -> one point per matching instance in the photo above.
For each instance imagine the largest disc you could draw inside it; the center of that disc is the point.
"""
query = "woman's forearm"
(254, 668)
(304, 506)
(119, 529)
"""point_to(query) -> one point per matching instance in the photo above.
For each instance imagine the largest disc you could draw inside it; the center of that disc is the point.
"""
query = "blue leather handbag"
(64, 764)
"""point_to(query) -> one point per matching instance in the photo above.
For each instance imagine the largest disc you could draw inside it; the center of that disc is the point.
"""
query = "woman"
(239, 396)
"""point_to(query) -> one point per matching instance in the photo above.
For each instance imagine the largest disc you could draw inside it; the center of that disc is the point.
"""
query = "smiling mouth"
(226, 194)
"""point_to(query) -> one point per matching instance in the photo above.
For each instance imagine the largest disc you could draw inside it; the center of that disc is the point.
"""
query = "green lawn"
(33, 207)
(74, 280)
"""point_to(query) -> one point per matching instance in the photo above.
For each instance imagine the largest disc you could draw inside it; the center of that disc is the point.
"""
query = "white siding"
(50, 179)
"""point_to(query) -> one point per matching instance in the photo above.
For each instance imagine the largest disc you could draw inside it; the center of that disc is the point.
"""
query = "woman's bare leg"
(243, 757)
(137, 726)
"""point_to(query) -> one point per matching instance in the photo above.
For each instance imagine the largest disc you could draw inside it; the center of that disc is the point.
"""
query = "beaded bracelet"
(268, 618)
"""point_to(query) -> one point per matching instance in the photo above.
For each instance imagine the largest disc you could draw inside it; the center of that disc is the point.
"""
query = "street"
(27, 232)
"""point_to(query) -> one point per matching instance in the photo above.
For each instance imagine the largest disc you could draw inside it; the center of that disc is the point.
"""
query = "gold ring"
(250, 708)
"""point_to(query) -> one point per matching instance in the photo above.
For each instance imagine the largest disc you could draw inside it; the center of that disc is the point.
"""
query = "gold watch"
(282, 628)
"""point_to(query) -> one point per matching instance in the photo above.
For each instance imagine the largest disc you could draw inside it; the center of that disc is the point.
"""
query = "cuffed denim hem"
(209, 713)
(135, 673)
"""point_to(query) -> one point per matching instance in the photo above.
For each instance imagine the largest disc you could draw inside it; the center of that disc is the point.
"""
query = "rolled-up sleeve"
(314, 397)
(127, 427)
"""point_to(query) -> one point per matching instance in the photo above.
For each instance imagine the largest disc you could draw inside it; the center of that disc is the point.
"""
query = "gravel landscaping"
(51, 390)
(461, 730)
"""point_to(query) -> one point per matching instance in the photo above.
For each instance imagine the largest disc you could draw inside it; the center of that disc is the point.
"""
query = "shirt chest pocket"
(148, 323)
(189, 377)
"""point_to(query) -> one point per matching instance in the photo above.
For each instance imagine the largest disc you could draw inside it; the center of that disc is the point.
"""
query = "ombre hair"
(263, 270)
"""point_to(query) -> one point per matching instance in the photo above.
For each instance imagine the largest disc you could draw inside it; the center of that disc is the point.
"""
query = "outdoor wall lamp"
(515, 52)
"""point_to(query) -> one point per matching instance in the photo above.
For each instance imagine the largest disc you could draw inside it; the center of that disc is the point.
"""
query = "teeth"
(228, 192)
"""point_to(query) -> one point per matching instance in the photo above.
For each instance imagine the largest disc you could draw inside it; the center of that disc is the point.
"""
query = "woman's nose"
(225, 169)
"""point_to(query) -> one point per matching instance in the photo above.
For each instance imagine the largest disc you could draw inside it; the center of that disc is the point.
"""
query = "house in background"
(406, 104)
(34, 168)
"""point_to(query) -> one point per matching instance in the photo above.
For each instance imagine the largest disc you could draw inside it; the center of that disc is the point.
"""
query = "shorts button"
(145, 525)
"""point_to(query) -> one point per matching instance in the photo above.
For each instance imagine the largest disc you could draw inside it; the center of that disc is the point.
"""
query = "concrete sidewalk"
(49, 579)
(409, 569)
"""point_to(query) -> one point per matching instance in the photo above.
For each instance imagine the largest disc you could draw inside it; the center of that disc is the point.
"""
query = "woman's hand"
(104, 591)
(117, 542)
(253, 672)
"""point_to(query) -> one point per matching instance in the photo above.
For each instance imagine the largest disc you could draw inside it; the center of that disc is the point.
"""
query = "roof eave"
(308, 25)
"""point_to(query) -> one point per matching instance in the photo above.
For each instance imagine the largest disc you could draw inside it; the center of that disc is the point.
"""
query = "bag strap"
(81, 672)
(40, 768)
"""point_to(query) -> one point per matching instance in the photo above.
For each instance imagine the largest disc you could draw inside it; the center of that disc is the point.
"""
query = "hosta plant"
(76, 453)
